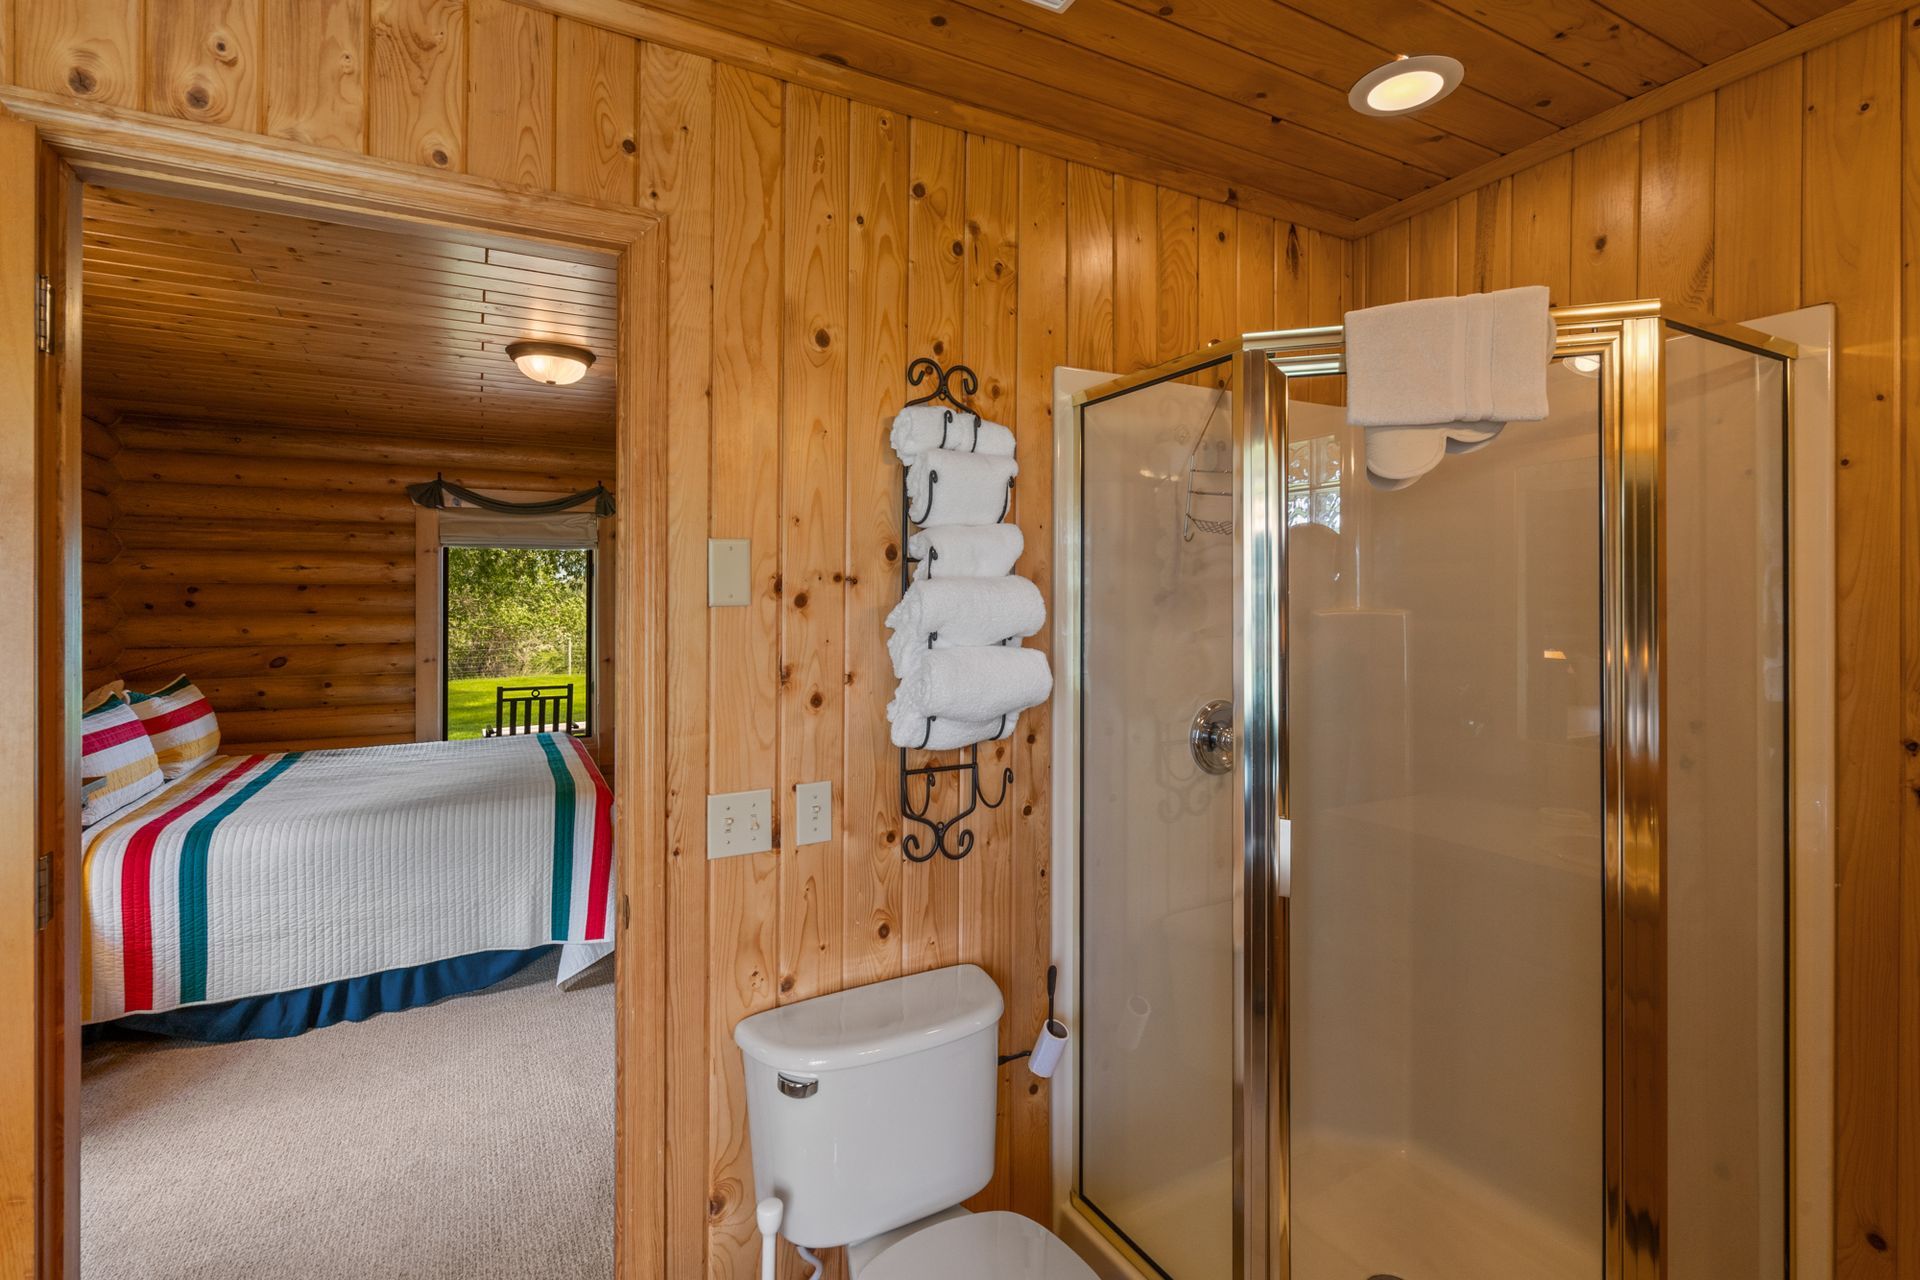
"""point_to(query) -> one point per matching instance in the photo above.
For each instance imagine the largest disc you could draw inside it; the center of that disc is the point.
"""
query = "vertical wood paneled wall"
(817, 244)
(276, 568)
(1795, 186)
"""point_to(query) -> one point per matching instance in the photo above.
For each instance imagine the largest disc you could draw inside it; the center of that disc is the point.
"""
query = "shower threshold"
(1381, 1210)
(1386, 1209)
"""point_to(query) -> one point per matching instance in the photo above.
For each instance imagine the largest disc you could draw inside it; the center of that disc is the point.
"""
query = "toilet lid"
(980, 1244)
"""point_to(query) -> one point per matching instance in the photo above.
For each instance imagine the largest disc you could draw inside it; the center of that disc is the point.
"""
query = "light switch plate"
(739, 822)
(729, 571)
(812, 812)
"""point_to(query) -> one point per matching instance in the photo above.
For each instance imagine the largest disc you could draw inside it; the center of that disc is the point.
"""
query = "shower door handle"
(1210, 736)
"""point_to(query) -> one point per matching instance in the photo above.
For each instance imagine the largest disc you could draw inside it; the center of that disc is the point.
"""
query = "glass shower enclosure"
(1431, 840)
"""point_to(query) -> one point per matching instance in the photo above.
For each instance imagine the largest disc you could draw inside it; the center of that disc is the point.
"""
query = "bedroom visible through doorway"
(321, 502)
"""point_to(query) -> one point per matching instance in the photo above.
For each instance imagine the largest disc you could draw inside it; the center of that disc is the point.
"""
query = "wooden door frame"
(129, 150)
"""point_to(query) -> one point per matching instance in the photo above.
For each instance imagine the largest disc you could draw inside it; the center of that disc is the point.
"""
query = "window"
(1313, 482)
(518, 639)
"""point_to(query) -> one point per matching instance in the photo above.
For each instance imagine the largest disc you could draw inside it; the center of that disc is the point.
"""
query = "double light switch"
(742, 821)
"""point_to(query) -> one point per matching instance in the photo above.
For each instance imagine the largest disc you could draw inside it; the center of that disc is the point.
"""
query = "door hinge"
(43, 891)
(43, 315)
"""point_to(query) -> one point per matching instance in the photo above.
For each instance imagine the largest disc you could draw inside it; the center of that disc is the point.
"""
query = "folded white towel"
(945, 487)
(944, 733)
(967, 550)
(973, 684)
(922, 428)
(1434, 361)
(962, 612)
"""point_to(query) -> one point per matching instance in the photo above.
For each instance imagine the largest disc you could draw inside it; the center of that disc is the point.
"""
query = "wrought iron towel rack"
(918, 372)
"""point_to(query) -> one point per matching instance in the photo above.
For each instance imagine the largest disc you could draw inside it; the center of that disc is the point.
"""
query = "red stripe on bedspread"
(136, 888)
(601, 871)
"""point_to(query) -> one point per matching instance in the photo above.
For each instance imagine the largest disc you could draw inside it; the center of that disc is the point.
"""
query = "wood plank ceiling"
(1255, 91)
(225, 314)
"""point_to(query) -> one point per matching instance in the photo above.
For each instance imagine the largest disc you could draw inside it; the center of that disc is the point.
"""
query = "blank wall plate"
(729, 571)
(739, 822)
(812, 813)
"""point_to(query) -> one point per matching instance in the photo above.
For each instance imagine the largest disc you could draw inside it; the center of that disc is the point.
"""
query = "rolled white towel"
(945, 487)
(967, 550)
(973, 683)
(943, 733)
(922, 428)
(962, 612)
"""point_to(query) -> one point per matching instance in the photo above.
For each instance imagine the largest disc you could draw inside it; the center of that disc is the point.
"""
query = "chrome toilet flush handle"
(794, 1087)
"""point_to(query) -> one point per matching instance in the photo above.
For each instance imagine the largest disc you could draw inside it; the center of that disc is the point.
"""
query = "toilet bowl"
(975, 1245)
(872, 1114)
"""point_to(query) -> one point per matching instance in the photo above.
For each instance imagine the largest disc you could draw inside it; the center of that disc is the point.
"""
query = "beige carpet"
(471, 1139)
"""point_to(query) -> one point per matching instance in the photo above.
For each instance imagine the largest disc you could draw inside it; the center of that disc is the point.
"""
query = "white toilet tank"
(873, 1107)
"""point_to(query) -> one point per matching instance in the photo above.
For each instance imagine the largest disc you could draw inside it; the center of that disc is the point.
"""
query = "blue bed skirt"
(288, 1013)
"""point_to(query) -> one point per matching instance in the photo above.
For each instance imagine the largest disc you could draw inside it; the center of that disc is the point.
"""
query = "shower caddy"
(918, 372)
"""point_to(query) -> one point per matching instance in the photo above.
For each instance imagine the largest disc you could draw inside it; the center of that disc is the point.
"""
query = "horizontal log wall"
(99, 549)
(275, 567)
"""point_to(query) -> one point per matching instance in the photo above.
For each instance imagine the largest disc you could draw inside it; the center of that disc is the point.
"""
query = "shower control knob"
(1211, 736)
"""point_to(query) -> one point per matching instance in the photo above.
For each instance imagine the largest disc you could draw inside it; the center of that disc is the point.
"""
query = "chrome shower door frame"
(1629, 339)
(1069, 582)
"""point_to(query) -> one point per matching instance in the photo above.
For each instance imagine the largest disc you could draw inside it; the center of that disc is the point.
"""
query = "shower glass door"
(1445, 785)
(1536, 777)
(1431, 840)
(1157, 844)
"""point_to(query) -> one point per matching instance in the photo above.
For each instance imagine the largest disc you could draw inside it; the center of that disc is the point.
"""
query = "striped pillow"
(179, 720)
(97, 698)
(117, 761)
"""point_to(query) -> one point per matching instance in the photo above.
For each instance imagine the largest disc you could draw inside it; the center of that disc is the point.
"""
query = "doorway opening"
(320, 718)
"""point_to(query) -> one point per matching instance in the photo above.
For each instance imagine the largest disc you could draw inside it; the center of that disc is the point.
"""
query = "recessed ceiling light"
(554, 363)
(1058, 6)
(1406, 84)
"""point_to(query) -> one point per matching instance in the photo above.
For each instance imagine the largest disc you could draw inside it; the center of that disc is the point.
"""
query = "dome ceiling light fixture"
(1406, 85)
(554, 363)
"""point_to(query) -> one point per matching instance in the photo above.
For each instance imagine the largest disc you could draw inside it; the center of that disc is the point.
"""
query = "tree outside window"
(515, 616)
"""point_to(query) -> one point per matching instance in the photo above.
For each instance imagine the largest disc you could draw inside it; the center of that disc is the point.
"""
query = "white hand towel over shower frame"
(1445, 375)
(1437, 361)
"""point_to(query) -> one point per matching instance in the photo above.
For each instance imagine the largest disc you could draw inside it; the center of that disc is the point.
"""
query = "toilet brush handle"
(767, 1215)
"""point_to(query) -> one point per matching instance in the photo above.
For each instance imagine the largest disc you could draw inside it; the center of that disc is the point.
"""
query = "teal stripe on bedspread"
(193, 881)
(563, 807)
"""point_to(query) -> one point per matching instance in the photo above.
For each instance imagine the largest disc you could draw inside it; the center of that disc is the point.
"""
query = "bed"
(280, 891)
